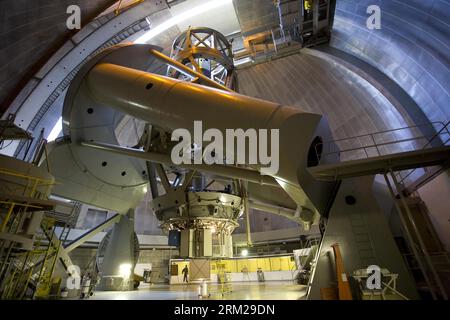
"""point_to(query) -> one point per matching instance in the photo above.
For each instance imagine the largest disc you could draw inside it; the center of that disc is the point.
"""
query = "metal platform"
(376, 165)
(378, 153)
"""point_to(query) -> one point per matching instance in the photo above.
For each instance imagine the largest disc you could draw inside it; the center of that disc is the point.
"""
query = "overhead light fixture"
(244, 252)
(205, 7)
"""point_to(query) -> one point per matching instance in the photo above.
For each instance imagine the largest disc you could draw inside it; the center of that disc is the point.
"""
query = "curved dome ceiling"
(40, 56)
(30, 33)
(412, 47)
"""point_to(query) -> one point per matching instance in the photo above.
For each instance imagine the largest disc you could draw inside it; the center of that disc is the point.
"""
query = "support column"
(360, 228)
(119, 260)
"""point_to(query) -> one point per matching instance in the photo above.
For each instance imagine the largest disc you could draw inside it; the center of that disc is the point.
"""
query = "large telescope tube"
(173, 104)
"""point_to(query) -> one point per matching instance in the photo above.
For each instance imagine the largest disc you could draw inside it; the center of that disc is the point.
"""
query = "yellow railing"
(16, 283)
(30, 187)
(32, 181)
(12, 205)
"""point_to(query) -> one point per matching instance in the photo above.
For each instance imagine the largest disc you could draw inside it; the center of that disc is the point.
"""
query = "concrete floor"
(273, 290)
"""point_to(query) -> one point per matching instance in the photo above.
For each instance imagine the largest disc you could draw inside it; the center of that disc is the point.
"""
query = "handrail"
(28, 177)
(21, 204)
(396, 129)
(35, 181)
(429, 142)
(12, 205)
(320, 147)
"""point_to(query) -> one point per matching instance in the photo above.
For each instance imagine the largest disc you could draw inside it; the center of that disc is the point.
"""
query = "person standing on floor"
(185, 272)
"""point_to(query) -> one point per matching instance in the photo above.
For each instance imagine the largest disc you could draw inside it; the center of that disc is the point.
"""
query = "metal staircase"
(31, 272)
(28, 258)
(25, 270)
(438, 258)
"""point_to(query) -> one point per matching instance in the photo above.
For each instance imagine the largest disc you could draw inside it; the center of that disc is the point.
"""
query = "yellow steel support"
(34, 181)
(33, 190)
(8, 215)
(23, 265)
(10, 211)
(43, 285)
(344, 292)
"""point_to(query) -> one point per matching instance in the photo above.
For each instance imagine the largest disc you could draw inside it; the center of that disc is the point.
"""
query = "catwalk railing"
(388, 142)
